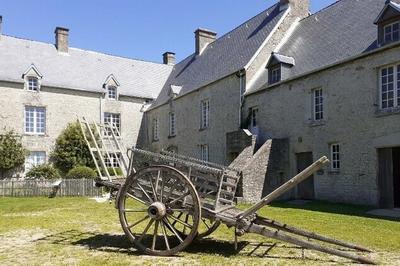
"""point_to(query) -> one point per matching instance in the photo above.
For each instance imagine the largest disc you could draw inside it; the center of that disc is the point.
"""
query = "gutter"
(347, 60)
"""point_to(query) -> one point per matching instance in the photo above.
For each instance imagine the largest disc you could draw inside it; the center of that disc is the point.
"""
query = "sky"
(130, 28)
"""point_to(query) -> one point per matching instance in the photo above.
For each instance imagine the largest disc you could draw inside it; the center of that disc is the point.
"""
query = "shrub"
(44, 171)
(80, 172)
(12, 153)
(71, 149)
(111, 171)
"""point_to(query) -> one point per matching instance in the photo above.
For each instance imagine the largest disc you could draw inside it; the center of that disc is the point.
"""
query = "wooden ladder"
(105, 143)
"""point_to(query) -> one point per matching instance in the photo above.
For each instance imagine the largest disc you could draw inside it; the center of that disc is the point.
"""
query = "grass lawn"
(36, 231)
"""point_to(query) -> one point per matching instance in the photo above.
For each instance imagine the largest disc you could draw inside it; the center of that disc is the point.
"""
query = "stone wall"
(224, 97)
(352, 118)
(63, 106)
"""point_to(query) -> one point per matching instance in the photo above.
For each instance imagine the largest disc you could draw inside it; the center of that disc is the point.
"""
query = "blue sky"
(137, 29)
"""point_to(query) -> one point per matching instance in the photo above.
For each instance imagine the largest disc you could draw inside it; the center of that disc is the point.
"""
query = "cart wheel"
(206, 226)
(149, 205)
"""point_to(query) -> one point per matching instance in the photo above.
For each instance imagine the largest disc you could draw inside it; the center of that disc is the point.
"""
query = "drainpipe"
(242, 89)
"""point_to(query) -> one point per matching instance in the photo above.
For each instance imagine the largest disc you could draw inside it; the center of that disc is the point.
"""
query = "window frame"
(112, 88)
(36, 161)
(35, 87)
(172, 124)
(205, 114)
(318, 115)
(272, 77)
(115, 160)
(35, 123)
(112, 116)
(396, 87)
(155, 129)
(392, 32)
(253, 116)
(204, 152)
(335, 156)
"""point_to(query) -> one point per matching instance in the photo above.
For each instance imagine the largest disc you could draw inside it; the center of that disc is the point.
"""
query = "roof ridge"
(80, 49)
(227, 33)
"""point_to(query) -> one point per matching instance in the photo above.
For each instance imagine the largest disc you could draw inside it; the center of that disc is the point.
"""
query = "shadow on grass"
(209, 246)
(335, 208)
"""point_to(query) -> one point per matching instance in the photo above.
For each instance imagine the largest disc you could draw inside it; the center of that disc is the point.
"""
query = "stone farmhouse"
(276, 93)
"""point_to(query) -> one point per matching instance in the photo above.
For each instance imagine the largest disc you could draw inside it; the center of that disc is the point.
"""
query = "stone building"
(305, 86)
(269, 97)
(45, 86)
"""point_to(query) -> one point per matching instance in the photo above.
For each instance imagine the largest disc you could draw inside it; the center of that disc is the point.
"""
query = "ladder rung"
(228, 184)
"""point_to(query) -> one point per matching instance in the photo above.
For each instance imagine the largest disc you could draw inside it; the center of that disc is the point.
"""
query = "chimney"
(1, 24)
(203, 38)
(62, 39)
(169, 58)
(300, 8)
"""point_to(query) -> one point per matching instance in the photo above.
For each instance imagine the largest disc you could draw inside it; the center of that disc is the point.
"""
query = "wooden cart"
(167, 200)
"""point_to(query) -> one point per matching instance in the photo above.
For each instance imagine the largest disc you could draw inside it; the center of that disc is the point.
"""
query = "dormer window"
(33, 84)
(32, 79)
(391, 32)
(279, 67)
(388, 22)
(112, 92)
(275, 74)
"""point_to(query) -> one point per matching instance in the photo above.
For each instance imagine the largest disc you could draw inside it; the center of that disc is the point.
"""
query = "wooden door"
(385, 178)
(305, 190)
(396, 177)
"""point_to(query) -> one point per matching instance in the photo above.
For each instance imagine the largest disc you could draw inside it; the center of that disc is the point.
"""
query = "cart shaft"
(306, 173)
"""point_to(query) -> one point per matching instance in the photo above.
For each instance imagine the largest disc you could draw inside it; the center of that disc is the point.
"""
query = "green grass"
(80, 231)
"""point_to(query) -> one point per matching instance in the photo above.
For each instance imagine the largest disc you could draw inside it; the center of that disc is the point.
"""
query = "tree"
(12, 153)
(71, 149)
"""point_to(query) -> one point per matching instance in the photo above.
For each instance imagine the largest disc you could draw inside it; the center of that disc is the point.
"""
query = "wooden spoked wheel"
(150, 204)
(206, 226)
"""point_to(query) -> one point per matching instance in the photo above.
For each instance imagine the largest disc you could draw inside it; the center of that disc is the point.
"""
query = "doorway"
(396, 177)
(389, 177)
(305, 190)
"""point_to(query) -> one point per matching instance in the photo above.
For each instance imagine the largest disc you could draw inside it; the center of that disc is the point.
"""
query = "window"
(33, 84)
(390, 87)
(172, 128)
(318, 104)
(113, 161)
(335, 157)
(391, 32)
(155, 129)
(205, 113)
(35, 120)
(34, 158)
(253, 117)
(112, 92)
(204, 152)
(275, 74)
(113, 120)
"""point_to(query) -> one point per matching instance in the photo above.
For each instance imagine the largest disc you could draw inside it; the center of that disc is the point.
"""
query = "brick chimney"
(300, 8)
(62, 39)
(169, 58)
(203, 38)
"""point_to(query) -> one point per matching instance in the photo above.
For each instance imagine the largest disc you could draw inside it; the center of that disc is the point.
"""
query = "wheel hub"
(157, 210)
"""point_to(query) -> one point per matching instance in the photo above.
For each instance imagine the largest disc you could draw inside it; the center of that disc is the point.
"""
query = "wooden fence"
(34, 188)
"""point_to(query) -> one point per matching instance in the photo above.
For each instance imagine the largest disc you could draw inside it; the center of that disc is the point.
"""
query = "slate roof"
(342, 30)
(227, 55)
(80, 69)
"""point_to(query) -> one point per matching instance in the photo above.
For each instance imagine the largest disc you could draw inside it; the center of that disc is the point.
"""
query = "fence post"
(12, 188)
(84, 187)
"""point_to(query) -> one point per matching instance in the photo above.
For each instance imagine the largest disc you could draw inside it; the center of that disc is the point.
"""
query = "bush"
(44, 171)
(81, 172)
(71, 149)
(12, 154)
(111, 171)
